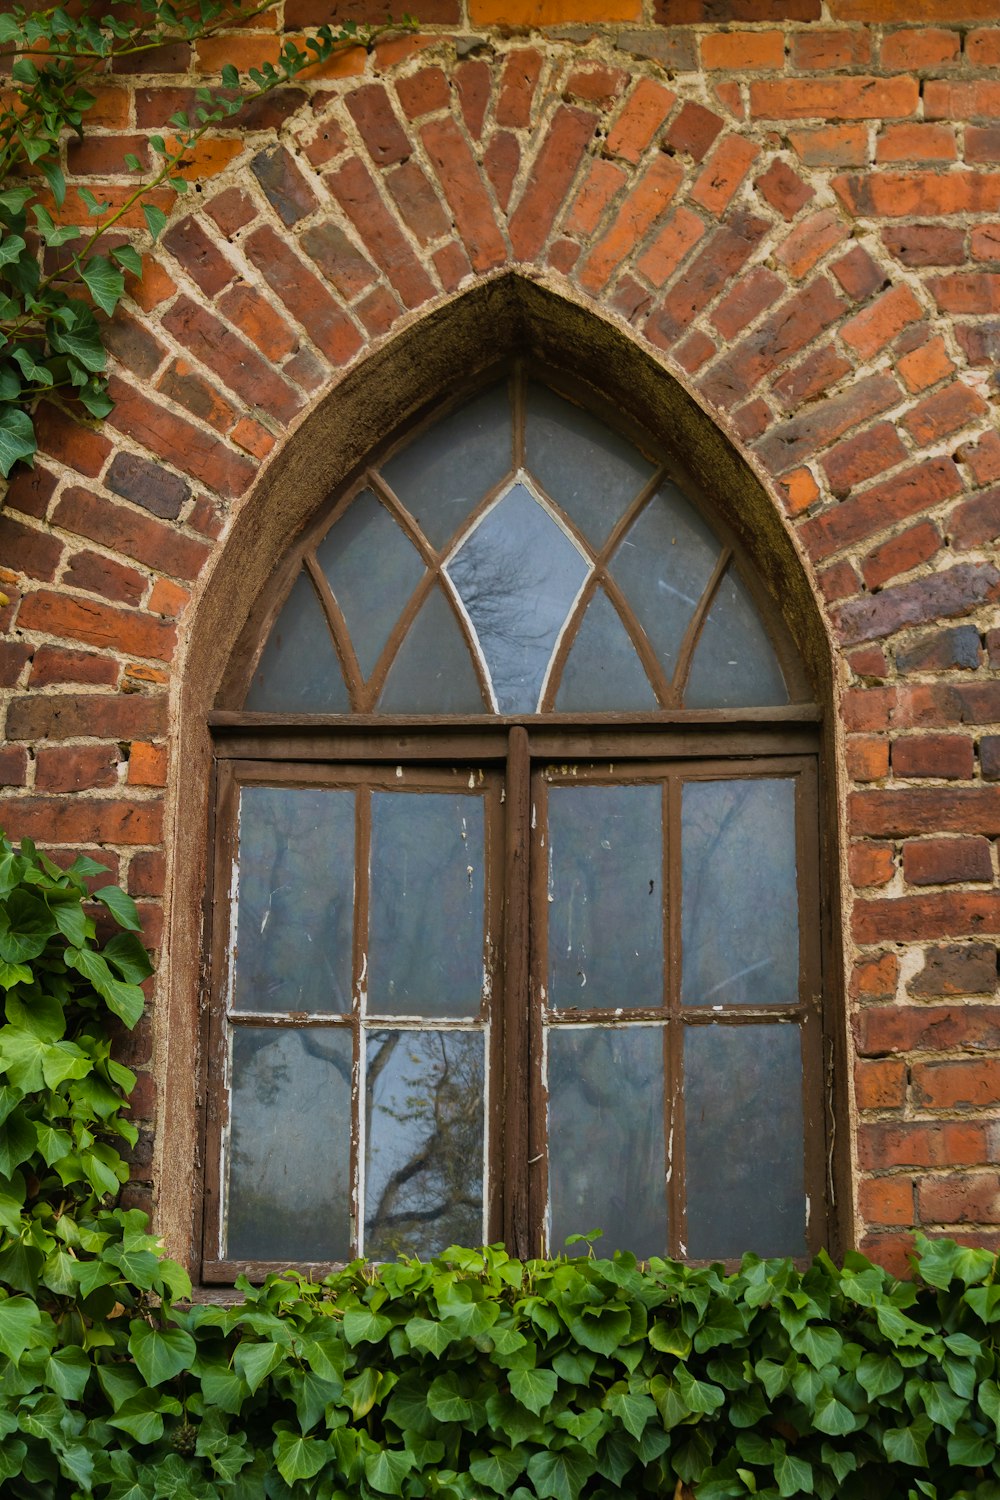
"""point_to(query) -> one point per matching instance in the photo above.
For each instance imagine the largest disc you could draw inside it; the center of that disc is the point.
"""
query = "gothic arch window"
(516, 889)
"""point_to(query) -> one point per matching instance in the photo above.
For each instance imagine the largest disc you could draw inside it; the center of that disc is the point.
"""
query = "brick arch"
(846, 369)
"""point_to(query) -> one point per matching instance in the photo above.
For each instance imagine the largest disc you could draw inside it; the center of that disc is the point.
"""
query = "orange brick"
(551, 12)
(743, 51)
(870, 330)
(602, 182)
(800, 490)
(867, 757)
(644, 112)
(810, 240)
(645, 203)
(870, 864)
(168, 598)
(147, 764)
(880, 1083)
(925, 366)
(887, 1200)
(680, 234)
(916, 142)
(725, 169)
(826, 51)
(831, 146)
(850, 98)
(920, 48)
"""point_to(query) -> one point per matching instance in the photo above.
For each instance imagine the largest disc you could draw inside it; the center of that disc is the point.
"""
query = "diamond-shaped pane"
(517, 575)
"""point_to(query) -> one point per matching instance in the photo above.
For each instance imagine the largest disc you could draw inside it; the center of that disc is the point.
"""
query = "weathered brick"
(86, 820)
(102, 575)
(684, 12)
(879, 1084)
(913, 194)
(874, 978)
(743, 51)
(918, 810)
(463, 186)
(750, 296)
(603, 180)
(597, 85)
(831, 146)
(56, 664)
(424, 93)
(650, 195)
(474, 81)
(859, 458)
(906, 551)
(891, 1029)
(124, 531)
(784, 189)
(793, 325)
(178, 442)
(867, 757)
(914, 49)
(966, 1198)
(304, 295)
(694, 131)
(96, 624)
(203, 260)
(912, 1143)
(283, 184)
(870, 864)
(946, 411)
(518, 82)
(813, 376)
(385, 138)
(952, 861)
(66, 716)
(883, 505)
(870, 330)
(887, 1200)
(678, 237)
(925, 366)
(809, 241)
(952, 591)
(554, 168)
(909, 919)
(816, 428)
(941, 650)
(259, 320)
(75, 768)
(642, 114)
(840, 98)
(721, 257)
(240, 369)
(959, 969)
(723, 173)
(947, 756)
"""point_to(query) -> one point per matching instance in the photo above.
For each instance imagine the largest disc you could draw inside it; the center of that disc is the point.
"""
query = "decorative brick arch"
(726, 251)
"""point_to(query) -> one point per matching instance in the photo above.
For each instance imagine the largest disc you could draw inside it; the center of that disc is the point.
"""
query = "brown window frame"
(317, 749)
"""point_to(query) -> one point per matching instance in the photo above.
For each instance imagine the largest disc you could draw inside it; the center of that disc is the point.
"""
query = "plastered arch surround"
(502, 317)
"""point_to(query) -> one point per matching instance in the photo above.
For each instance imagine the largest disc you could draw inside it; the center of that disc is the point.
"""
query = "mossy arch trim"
(394, 382)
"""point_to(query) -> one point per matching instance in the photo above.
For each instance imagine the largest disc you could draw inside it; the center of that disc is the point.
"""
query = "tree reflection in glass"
(424, 1131)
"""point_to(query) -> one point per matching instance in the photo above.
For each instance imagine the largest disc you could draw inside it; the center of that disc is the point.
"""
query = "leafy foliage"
(465, 1377)
(57, 276)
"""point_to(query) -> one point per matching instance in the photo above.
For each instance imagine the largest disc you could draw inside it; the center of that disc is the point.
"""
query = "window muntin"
(599, 647)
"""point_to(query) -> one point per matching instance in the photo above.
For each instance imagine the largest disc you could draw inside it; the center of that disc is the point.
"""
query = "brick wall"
(795, 206)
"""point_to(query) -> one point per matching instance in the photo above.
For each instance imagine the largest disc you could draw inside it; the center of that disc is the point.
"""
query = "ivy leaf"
(121, 907)
(362, 1326)
(561, 1474)
(970, 1449)
(878, 1374)
(71, 921)
(11, 974)
(832, 1416)
(445, 1399)
(11, 249)
(80, 339)
(255, 1361)
(14, 199)
(17, 438)
(129, 257)
(160, 1355)
(634, 1412)
(426, 1333)
(387, 1469)
(498, 1469)
(908, 1445)
(534, 1388)
(20, 1320)
(794, 1475)
(126, 954)
(301, 1457)
(156, 220)
(141, 1416)
(104, 282)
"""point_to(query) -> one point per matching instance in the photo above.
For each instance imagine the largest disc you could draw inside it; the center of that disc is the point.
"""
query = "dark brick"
(926, 244)
(148, 485)
(380, 130)
(956, 969)
(194, 249)
(989, 757)
(951, 592)
(942, 650)
(284, 186)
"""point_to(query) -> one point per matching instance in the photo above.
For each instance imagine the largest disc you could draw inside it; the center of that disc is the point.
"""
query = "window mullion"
(516, 995)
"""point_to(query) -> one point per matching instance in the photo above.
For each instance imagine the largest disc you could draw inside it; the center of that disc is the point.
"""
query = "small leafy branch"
(53, 274)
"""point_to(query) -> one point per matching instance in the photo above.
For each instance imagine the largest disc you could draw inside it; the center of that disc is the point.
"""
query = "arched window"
(516, 908)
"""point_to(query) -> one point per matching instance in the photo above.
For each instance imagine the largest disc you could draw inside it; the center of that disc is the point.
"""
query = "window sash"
(525, 758)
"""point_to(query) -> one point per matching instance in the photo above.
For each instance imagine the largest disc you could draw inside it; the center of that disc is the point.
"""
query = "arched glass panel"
(433, 672)
(298, 671)
(734, 664)
(603, 670)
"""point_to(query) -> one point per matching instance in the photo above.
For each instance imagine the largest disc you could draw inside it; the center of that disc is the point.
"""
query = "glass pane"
(517, 576)
(605, 896)
(425, 951)
(373, 569)
(433, 671)
(663, 564)
(289, 1163)
(426, 1108)
(743, 1134)
(734, 665)
(443, 475)
(298, 671)
(603, 670)
(739, 903)
(585, 467)
(296, 900)
(607, 1168)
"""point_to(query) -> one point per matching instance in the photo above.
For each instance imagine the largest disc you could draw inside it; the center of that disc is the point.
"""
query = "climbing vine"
(58, 277)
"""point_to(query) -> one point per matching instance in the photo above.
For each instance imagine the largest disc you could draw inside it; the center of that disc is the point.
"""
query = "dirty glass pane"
(443, 475)
(433, 671)
(605, 896)
(663, 564)
(425, 1101)
(607, 1168)
(289, 1196)
(296, 900)
(517, 576)
(373, 569)
(425, 948)
(739, 902)
(734, 665)
(603, 670)
(585, 467)
(743, 1133)
(298, 671)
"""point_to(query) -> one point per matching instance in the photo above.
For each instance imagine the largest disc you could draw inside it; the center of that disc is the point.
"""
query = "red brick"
(916, 142)
(239, 368)
(820, 50)
(845, 98)
(55, 664)
(831, 146)
(915, 49)
(452, 265)
(941, 650)
(919, 810)
(743, 51)
(95, 715)
(696, 350)
(909, 919)
(859, 458)
(886, 1200)
(179, 442)
(858, 274)
(29, 550)
(751, 296)
(928, 1028)
(925, 365)
(982, 143)
(961, 969)
(869, 661)
(926, 244)
(694, 131)
(72, 769)
(961, 99)
(724, 254)
(424, 93)
(597, 85)
(102, 575)
(13, 657)
(123, 530)
(304, 295)
(811, 377)
(13, 766)
(356, 192)
(968, 1198)
(30, 490)
(911, 1143)
(341, 262)
(554, 169)
(906, 551)
(641, 117)
(474, 81)
(466, 193)
(673, 242)
(377, 124)
(563, 255)
(795, 323)
(870, 865)
(85, 820)
(724, 171)
(649, 197)
(936, 596)
(96, 624)
(883, 505)
(946, 756)
(259, 321)
(200, 256)
(982, 457)
(518, 82)
(945, 412)
(602, 181)
(147, 874)
(682, 12)
(182, 383)
(821, 425)
(938, 704)
(809, 241)
(501, 159)
(874, 978)
(76, 446)
(912, 194)
(867, 757)
(784, 189)
(871, 330)
(947, 861)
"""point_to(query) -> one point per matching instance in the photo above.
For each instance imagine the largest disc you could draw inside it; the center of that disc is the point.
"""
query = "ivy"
(59, 278)
(469, 1376)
